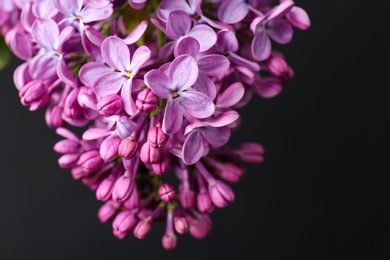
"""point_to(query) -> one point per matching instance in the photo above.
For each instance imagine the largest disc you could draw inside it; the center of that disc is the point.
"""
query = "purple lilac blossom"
(153, 99)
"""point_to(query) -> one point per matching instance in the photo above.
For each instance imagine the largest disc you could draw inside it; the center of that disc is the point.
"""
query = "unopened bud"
(167, 192)
(109, 105)
(146, 101)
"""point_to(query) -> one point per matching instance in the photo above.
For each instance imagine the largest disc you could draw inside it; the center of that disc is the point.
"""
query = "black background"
(321, 193)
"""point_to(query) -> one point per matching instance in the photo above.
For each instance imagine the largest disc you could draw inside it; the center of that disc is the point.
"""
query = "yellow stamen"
(175, 94)
(196, 16)
(128, 74)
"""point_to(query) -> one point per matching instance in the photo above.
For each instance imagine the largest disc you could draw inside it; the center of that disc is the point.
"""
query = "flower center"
(128, 74)
(175, 94)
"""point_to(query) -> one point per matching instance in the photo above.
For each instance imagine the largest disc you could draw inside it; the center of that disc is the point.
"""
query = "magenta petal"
(109, 147)
(95, 133)
(90, 71)
(205, 85)
(21, 45)
(136, 34)
(280, 10)
(232, 11)
(167, 6)
(108, 83)
(94, 35)
(65, 35)
(224, 119)
(227, 40)
(68, 160)
(66, 134)
(187, 45)
(173, 117)
(192, 148)
(183, 72)
(179, 24)
(216, 136)
(231, 95)
(90, 14)
(197, 104)
(140, 56)
(204, 35)
(213, 65)
(116, 53)
(45, 32)
(158, 82)
(280, 31)
(267, 87)
(43, 66)
(128, 102)
(64, 74)
(69, 6)
(261, 46)
(240, 61)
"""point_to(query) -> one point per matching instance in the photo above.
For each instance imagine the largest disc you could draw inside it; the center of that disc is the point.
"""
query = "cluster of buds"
(154, 86)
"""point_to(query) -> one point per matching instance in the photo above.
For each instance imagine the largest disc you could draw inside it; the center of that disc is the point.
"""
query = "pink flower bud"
(187, 198)
(54, 117)
(142, 229)
(124, 222)
(34, 94)
(122, 188)
(128, 148)
(204, 202)
(146, 101)
(149, 154)
(167, 192)
(163, 165)
(107, 211)
(198, 229)
(110, 105)
(169, 241)
(181, 225)
(72, 109)
(67, 146)
(104, 190)
(276, 65)
(78, 173)
(133, 201)
(91, 161)
(230, 172)
(298, 18)
(221, 194)
(156, 137)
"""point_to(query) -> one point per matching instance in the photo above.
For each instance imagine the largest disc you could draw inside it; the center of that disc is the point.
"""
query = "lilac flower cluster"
(154, 86)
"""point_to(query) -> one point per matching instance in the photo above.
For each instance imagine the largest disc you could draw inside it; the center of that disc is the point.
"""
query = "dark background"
(321, 193)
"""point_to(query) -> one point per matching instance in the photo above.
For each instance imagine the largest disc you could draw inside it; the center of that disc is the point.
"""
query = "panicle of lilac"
(152, 98)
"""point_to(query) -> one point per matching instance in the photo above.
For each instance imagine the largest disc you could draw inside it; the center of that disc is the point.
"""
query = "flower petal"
(231, 95)
(91, 70)
(206, 86)
(46, 34)
(95, 133)
(108, 83)
(192, 148)
(187, 45)
(197, 104)
(128, 102)
(224, 119)
(173, 117)
(158, 82)
(116, 53)
(204, 35)
(261, 46)
(141, 55)
(137, 33)
(216, 136)
(213, 65)
(232, 11)
(167, 6)
(280, 31)
(43, 66)
(179, 24)
(90, 14)
(183, 72)
(68, 7)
